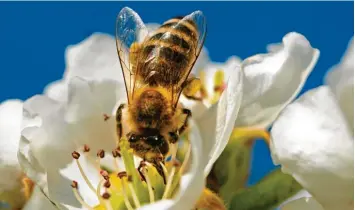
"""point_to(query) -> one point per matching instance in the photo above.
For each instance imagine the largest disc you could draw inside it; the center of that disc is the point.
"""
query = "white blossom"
(313, 140)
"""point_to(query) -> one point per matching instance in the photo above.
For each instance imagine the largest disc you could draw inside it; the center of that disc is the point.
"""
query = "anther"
(129, 178)
(86, 148)
(106, 117)
(106, 195)
(116, 153)
(104, 174)
(101, 153)
(107, 184)
(75, 155)
(122, 174)
(74, 184)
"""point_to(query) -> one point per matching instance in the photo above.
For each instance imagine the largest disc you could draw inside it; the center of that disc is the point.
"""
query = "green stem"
(271, 191)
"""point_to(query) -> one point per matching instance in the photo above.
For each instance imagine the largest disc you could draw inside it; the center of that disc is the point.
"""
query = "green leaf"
(232, 168)
(271, 191)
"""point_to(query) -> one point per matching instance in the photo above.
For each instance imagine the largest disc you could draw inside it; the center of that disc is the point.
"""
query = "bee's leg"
(191, 87)
(140, 167)
(188, 114)
(119, 120)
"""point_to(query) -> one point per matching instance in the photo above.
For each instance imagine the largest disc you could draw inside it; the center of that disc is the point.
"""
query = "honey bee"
(156, 67)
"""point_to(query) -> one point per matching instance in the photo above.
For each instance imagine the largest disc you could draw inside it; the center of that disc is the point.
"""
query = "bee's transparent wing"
(129, 29)
(197, 20)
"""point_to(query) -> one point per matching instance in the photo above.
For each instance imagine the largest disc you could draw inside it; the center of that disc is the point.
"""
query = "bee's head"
(146, 143)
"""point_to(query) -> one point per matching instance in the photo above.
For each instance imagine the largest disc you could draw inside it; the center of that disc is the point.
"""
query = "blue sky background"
(34, 35)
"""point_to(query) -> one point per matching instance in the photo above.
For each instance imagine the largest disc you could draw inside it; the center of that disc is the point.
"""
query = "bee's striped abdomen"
(169, 51)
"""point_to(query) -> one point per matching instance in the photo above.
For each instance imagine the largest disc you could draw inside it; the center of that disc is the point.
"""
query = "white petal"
(273, 80)
(85, 114)
(38, 201)
(162, 204)
(341, 81)
(10, 133)
(217, 123)
(57, 90)
(94, 58)
(303, 204)
(51, 142)
(59, 183)
(300, 194)
(192, 183)
(312, 142)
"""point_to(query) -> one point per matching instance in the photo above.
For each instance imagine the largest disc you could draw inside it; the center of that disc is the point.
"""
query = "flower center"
(133, 187)
(18, 196)
(218, 86)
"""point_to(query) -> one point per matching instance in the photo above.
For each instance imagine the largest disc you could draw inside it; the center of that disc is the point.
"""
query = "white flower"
(15, 193)
(271, 80)
(10, 132)
(313, 140)
(84, 114)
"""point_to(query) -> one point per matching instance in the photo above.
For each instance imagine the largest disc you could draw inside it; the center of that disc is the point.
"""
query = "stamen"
(101, 153)
(164, 168)
(133, 192)
(86, 148)
(74, 185)
(98, 191)
(116, 153)
(174, 149)
(107, 184)
(170, 180)
(125, 197)
(186, 160)
(106, 117)
(106, 196)
(104, 174)
(76, 156)
(149, 185)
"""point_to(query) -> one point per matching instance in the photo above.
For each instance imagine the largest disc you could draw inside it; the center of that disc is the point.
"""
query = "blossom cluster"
(60, 149)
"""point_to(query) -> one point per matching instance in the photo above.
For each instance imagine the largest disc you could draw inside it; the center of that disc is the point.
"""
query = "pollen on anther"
(106, 117)
(75, 155)
(116, 153)
(107, 184)
(74, 184)
(106, 195)
(86, 148)
(104, 174)
(101, 153)
(122, 174)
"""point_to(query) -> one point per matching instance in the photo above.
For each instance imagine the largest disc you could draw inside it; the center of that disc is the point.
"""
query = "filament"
(186, 160)
(108, 205)
(149, 184)
(169, 182)
(80, 199)
(125, 197)
(134, 195)
(84, 176)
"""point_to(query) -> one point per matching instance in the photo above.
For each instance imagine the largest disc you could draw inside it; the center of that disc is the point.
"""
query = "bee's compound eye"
(133, 138)
(154, 140)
